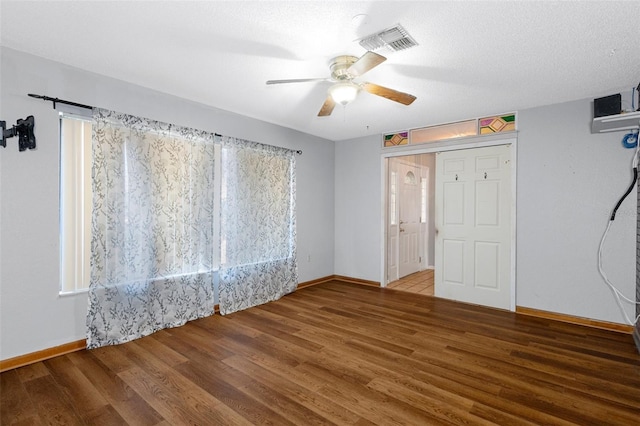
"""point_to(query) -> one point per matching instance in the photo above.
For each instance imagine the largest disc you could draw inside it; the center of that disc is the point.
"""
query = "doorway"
(411, 224)
(391, 272)
(422, 282)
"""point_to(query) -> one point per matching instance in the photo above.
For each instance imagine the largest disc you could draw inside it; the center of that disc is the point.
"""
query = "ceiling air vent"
(394, 38)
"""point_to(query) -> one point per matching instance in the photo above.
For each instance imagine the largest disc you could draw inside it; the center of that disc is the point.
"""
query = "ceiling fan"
(344, 69)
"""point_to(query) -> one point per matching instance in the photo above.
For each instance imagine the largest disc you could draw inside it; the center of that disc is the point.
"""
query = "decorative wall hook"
(23, 129)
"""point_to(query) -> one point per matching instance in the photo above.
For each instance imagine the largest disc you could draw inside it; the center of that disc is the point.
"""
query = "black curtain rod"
(60, 101)
(299, 151)
(75, 104)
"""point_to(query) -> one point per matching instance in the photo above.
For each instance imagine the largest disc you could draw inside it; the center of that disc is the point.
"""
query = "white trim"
(514, 193)
(384, 166)
(70, 110)
(451, 144)
(508, 138)
(73, 292)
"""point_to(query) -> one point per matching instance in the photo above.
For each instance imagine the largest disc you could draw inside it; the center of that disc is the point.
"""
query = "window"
(140, 223)
(393, 197)
(442, 132)
(423, 200)
(76, 208)
(257, 224)
(445, 131)
(410, 178)
(75, 203)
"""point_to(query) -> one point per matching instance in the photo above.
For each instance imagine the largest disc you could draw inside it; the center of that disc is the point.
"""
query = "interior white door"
(409, 214)
(473, 226)
(392, 220)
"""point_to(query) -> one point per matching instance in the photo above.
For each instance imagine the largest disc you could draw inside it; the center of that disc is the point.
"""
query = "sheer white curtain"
(152, 246)
(258, 224)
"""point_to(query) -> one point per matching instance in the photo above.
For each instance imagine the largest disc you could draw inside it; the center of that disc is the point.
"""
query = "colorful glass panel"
(395, 139)
(497, 123)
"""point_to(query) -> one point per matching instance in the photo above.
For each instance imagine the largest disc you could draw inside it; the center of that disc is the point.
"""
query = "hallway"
(419, 283)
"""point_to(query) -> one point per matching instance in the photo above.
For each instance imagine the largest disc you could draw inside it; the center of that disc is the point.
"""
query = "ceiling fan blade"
(394, 95)
(327, 107)
(366, 62)
(296, 80)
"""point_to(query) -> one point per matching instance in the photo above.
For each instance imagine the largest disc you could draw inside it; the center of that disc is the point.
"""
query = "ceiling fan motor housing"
(340, 66)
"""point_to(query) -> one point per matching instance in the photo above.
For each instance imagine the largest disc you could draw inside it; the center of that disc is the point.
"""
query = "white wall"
(32, 314)
(358, 208)
(568, 181)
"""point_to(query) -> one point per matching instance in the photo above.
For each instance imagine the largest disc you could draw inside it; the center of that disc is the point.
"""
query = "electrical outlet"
(309, 258)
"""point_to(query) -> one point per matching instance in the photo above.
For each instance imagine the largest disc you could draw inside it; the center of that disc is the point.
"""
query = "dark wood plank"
(53, 406)
(322, 406)
(124, 400)
(32, 371)
(214, 383)
(212, 377)
(15, 404)
(340, 353)
(172, 395)
(77, 388)
(178, 402)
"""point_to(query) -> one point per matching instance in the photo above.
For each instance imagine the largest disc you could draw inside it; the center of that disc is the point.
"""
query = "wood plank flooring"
(343, 354)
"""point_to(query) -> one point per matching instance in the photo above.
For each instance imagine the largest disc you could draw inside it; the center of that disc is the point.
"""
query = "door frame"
(421, 239)
(450, 145)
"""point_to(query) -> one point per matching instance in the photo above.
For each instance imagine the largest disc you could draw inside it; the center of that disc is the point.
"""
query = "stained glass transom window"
(497, 123)
(442, 132)
(395, 139)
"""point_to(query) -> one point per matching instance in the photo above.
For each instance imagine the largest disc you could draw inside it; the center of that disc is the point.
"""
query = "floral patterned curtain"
(258, 224)
(152, 241)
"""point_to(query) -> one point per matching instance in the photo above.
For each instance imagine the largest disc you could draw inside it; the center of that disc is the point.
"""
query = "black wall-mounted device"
(23, 129)
(608, 105)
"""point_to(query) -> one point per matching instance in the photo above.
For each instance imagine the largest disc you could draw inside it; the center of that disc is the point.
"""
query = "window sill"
(86, 290)
(73, 293)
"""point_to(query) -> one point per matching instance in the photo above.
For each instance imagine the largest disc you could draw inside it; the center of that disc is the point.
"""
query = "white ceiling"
(473, 58)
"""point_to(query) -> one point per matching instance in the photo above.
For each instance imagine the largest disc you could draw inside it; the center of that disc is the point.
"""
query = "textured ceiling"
(473, 58)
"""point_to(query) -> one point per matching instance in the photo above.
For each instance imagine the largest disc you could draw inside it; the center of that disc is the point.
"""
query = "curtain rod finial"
(59, 101)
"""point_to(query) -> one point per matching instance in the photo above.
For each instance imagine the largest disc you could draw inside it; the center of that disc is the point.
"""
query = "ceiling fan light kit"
(343, 93)
(344, 69)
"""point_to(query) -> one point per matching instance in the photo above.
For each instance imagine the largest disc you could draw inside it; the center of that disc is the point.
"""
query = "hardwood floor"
(338, 353)
(420, 283)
